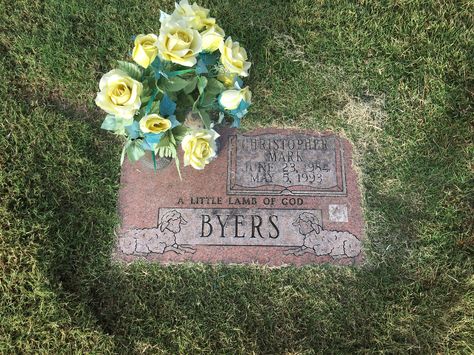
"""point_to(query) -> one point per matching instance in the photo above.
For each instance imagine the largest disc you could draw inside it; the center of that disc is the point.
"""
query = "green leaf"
(149, 73)
(144, 100)
(173, 141)
(135, 150)
(191, 85)
(148, 86)
(150, 103)
(206, 119)
(141, 112)
(173, 95)
(116, 124)
(208, 99)
(165, 152)
(184, 102)
(214, 87)
(109, 123)
(155, 108)
(131, 69)
(164, 148)
(164, 142)
(122, 157)
(173, 84)
(201, 84)
(176, 159)
(179, 132)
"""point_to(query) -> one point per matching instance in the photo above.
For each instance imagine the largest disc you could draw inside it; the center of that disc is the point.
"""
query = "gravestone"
(272, 197)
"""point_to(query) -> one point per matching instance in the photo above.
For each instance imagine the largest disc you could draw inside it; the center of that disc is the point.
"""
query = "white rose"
(199, 148)
(178, 43)
(145, 49)
(196, 16)
(234, 57)
(230, 99)
(212, 38)
(154, 124)
(119, 94)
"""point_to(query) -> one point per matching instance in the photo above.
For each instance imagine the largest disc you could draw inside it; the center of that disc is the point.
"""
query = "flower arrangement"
(183, 83)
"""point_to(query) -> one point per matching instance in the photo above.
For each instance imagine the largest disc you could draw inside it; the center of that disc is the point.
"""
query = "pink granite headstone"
(271, 197)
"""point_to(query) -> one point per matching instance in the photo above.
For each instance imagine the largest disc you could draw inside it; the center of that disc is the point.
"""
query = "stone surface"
(338, 213)
(272, 197)
(276, 164)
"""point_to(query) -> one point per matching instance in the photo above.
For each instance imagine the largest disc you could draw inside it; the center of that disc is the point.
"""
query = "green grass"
(396, 79)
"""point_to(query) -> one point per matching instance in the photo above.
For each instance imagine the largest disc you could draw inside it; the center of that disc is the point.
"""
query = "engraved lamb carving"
(323, 242)
(156, 240)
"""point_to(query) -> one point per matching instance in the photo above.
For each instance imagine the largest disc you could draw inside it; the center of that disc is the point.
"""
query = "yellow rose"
(145, 50)
(196, 16)
(178, 43)
(154, 124)
(212, 38)
(234, 57)
(230, 99)
(199, 147)
(227, 78)
(119, 94)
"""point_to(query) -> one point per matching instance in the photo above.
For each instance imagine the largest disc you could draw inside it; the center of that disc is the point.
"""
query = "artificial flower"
(234, 57)
(230, 99)
(212, 38)
(196, 16)
(154, 124)
(119, 94)
(145, 50)
(179, 44)
(199, 148)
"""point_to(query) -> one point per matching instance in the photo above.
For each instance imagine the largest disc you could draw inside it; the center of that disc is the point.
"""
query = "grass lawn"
(396, 79)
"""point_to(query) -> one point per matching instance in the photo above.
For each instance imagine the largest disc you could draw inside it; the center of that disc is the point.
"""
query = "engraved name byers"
(179, 230)
(236, 226)
(298, 164)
